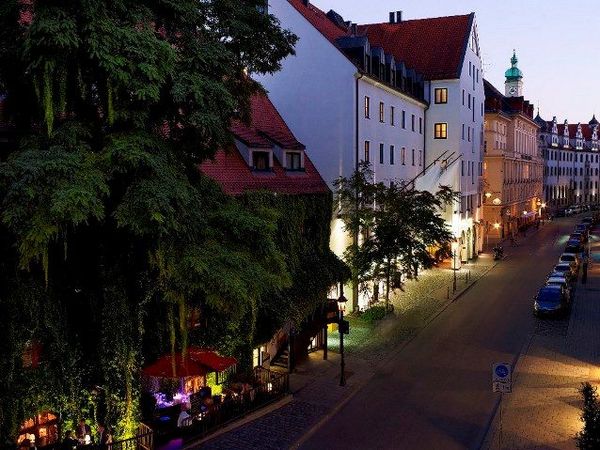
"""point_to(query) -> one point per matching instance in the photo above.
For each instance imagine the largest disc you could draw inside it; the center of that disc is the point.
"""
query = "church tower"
(514, 79)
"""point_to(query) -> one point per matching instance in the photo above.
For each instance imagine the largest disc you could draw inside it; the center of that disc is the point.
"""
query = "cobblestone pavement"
(315, 383)
(543, 410)
(414, 306)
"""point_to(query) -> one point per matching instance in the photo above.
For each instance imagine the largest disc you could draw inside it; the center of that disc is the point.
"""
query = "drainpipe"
(358, 76)
(425, 126)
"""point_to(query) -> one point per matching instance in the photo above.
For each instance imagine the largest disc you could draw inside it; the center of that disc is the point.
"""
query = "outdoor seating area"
(188, 396)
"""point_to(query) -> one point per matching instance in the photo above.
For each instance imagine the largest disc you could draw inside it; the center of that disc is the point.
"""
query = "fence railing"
(270, 386)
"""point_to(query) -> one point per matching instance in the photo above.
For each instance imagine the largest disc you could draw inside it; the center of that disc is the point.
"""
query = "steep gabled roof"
(266, 130)
(435, 47)
(319, 20)
(266, 127)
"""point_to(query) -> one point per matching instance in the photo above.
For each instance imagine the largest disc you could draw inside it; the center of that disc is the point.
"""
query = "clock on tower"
(514, 78)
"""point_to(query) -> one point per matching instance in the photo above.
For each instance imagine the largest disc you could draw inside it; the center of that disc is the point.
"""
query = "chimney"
(398, 16)
(392, 17)
(354, 28)
(305, 2)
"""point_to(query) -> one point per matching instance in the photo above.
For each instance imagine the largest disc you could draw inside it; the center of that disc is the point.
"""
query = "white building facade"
(446, 50)
(572, 167)
(349, 102)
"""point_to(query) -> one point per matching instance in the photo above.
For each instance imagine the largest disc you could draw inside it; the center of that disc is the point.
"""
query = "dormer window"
(261, 161)
(293, 161)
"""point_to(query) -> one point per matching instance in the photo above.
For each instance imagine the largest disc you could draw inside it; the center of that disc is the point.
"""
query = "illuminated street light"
(497, 226)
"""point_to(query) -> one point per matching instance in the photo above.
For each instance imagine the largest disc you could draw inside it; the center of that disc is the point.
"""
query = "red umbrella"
(211, 359)
(163, 367)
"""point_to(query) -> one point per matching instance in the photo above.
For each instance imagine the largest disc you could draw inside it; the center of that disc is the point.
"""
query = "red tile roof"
(435, 47)
(267, 129)
(231, 171)
(319, 20)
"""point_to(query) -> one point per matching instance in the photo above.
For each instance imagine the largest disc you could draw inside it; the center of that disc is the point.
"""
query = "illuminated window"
(381, 112)
(440, 131)
(367, 157)
(441, 95)
(367, 107)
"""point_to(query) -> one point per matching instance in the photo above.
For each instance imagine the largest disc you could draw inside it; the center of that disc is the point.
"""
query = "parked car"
(570, 258)
(550, 300)
(582, 228)
(589, 220)
(574, 248)
(560, 281)
(560, 212)
(566, 268)
(577, 235)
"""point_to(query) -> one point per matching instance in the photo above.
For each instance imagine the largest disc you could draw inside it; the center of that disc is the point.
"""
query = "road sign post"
(502, 383)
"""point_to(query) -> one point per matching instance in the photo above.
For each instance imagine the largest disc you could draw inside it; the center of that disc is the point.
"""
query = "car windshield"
(549, 295)
(561, 268)
(567, 257)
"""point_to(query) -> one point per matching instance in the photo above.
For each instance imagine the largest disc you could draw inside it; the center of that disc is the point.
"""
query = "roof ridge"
(416, 20)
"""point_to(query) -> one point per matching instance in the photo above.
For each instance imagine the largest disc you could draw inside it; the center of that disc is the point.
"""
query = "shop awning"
(169, 366)
(198, 362)
(210, 359)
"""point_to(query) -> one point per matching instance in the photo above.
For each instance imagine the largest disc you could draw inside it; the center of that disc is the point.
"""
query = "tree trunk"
(387, 285)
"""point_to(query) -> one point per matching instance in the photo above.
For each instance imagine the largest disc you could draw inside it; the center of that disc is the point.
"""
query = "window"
(441, 131)
(404, 119)
(413, 122)
(293, 161)
(392, 155)
(469, 134)
(392, 118)
(260, 161)
(469, 100)
(380, 153)
(413, 156)
(462, 168)
(420, 158)
(420, 125)
(403, 155)
(367, 151)
(463, 97)
(441, 95)
(381, 112)
(463, 134)
(367, 107)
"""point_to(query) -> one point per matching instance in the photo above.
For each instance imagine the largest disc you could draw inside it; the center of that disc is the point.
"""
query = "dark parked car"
(578, 235)
(560, 281)
(567, 268)
(551, 301)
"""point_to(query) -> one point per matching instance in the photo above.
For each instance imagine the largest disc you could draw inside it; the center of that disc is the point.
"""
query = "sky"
(557, 43)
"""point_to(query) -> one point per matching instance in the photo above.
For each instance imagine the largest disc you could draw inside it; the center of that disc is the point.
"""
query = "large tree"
(114, 103)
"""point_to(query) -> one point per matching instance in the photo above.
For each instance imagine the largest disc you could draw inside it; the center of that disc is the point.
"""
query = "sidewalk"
(315, 383)
(543, 410)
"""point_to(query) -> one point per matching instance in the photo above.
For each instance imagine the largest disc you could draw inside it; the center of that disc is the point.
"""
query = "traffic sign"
(502, 378)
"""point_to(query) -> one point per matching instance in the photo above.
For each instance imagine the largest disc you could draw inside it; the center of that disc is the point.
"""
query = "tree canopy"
(104, 219)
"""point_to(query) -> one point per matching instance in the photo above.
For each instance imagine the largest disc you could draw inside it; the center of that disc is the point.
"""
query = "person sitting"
(183, 419)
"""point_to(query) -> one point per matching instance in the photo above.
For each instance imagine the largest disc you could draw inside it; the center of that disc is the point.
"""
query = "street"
(436, 392)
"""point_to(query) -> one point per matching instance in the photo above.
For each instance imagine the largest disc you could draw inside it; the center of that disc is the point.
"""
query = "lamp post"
(454, 249)
(342, 329)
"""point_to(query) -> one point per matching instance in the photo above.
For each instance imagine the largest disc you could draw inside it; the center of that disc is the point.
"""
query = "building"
(446, 51)
(513, 164)
(350, 101)
(266, 157)
(571, 172)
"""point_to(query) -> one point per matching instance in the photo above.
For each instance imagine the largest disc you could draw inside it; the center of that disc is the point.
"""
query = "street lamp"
(342, 329)
(454, 249)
